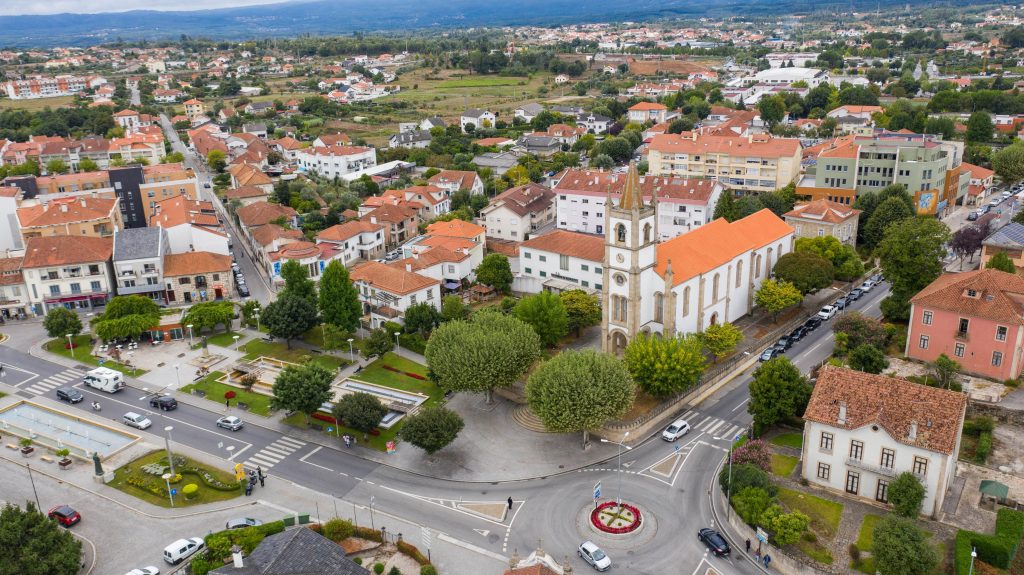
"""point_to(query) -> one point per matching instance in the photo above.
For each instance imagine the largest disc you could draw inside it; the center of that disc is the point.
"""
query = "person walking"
(510, 504)
(767, 560)
(227, 404)
(259, 474)
(748, 545)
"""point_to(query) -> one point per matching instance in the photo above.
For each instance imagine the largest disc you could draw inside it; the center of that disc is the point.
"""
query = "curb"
(724, 526)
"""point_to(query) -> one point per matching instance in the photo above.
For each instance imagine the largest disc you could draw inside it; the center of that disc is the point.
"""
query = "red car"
(64, 515)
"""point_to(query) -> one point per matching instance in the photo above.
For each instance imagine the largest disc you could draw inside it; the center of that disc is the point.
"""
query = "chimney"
(64, 208)
(408, 267)
(373, 219)
(236, 556)
(841, 420)
(83, 202)
(912, 434)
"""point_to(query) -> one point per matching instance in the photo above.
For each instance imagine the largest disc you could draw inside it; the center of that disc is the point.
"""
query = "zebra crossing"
(713, 426)
(273, 454)
(66, 378)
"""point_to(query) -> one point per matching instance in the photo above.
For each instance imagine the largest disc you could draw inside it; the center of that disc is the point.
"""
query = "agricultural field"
(37, 104)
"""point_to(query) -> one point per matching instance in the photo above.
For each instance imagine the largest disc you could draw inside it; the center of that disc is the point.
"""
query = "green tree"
(421, 318)
(56, 166)
(359, 411)
(1008, 163)
(743, 476)
(786, 528)
(772, 109)
(945, 370)
(887, 213)
(250, 310)
(333, 336)
(496, 272)
(911, 254)
(303, 388)
(776, 295)
(868, 358)
(338, 297)
(31, 544)
(1001, 262)
(807, 271)
(60, 321)
(726, 207)
(861, 329)
(488, 351)
(979, 127)
(209, 314)
(87, 165)
(432, 429)
(217, 160)
(582, 309)
(452, 308)
(778, 392)
(750, 503)
(900, 547)
(289, 316)
(297, 282)
(844, 258)
(721, 339)
(173, 158)
(126, 316)
(544, 312)
(664, 366)
(580, 390)
(379, 342)
(906, 494)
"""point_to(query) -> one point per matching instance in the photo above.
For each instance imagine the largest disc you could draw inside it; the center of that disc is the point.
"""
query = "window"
(888, 457)
(882, 492)
(714, 289)
(920, 466)
(95, 286)
(430, 294)
(739, 272)
(543, 258)
(54, 290)
(923, 343)
(964, 324)
(584, 267)
(543, 274)
(686, 301)
(412, 299)
(216, 277)
(926, 318)
(856, 449)
(184, 281)
(659, 307)
(997, 358)
(826, 441)
(824, 471)
(528, 255)
(852, 482)
(563, 262)
(1001, 333)
(958, 350)
(620, 233)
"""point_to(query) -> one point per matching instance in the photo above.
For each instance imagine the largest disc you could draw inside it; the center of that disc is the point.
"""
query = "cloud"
(35, 7)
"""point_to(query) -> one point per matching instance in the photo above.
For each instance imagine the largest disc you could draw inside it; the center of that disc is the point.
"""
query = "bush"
(190, 491)
(983, 448)
(754, 452)
(746, 475)
(368, 534)
(750, 503)
(394, 571)
(855, 553)
(977, 425)
(1012, 383)
(428, 570)
(378, 568)
(358, 560)
(337, 529)
(411, 550)
(996, 550)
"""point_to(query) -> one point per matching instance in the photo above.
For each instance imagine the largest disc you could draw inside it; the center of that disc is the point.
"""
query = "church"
(687, 283)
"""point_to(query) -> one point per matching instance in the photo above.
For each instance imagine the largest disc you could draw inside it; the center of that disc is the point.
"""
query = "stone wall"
(997, 412)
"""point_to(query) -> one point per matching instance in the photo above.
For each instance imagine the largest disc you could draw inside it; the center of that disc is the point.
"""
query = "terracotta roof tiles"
(999, 295)
(191, 263)
(574, 244)
(63, 250)
(391, 279)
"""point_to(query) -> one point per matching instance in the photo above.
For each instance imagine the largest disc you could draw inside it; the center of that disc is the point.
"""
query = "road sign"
(425, 537)
(761, 535)
(174, 492)
(597, 490)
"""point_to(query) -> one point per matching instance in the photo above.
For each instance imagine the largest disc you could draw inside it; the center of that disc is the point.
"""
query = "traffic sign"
(174, 491)
(761, 535)
(597, 490)
(425, 537)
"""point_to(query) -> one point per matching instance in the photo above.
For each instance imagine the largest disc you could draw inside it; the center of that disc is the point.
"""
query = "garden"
(217, 392)
(194, 483)
(82, 353)
(258, 347)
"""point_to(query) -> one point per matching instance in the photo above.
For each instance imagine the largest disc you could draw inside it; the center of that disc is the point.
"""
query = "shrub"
(996, 550)
(358, 560)
(754, 452)
(337, 529)
(906, 493)
(394, 571)
(746, 475)
(378, 568)
(978, 425)
(63, 452)
(190, 491)
(428, 570)
(750, 503)
(368, 534)
(854, 553)
(1012, 383)
(983, 447)
(411, 550)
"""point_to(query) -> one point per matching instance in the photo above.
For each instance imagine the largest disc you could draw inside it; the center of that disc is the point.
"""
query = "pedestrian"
(757, 555)
(509, 503)
(748, 545)
(767, 560)
(259, 473)
(227, 404)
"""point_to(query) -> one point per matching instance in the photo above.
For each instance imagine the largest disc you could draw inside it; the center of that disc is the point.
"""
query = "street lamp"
(257, 316)
(974, 554)
(235, 337)
(351, 353)
(167, 477)
(177, 374)
(71, 345)
(167, 444)
(398, 346)
(621, 444)
(190, 342)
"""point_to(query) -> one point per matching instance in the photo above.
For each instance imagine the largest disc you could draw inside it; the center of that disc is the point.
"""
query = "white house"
(862, 430)
(527, 112)
(454, 180)
(478, 118)
(69, 271)
(138, 259)
(410, 139)
(13, 291)
(335, 161)
(386, 291)
(560, 261)
(787, 76)
(594, 123)
(357, 240)
(518, 212)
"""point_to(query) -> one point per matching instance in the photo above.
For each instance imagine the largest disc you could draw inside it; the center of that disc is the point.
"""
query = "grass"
(783, 465)
(257, 347)
(824, 514)
(206, 494)
(378, 442)
(866, 540)
(816, 551)
(225, 339)
(483, 82)
(866, 537)
(258, 403)
(82, 354)
(37, 104)
(794, 440)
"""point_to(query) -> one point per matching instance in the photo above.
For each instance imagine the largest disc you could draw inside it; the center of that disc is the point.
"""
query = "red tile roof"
(66, 211)
(455, 228)
(823, 211)
(262, 213)
(191, 263)
(760, 146)
(342, 232)
(583, 246)
(999, 295)
(63, 250)
(391, 279)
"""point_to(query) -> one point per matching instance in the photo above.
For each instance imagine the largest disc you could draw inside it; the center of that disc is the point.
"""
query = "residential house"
(789, 76)
(411, 139)
(356, 240)
(1008, 240)
(258, 129)
(287, 146)
(400, 223)
(14, 300)
(76, 216)
(643, 112)
(432, 122)
(138, 260)
(594, 123)
(73, 272)
(477, 119)
(246, 195)
(243, 175)
(194, 109)
(825, 218)
(331, 140)
(454, 180)
(258, 108)
(191, 225)
(976, 318)
(518, 212)
(848, 110)
(313, 256)
(980, 184)
(527, 112)
(498, 162)
(387, 291)
(335, 161)
(862, 430)
(197, 276)
(261, 213)
(560, 261)
(540, 145)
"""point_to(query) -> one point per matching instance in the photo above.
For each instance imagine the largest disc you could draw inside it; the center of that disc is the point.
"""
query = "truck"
(105, 379)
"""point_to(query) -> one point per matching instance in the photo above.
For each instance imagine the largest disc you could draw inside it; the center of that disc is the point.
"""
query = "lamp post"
(167, 477)
(235, 337)
(190, 341)
(71, 345)
(351, 353)
(974, 555)
(167, 444)
(177, 374)
(398, 346)
(621, 444)
(257, 316)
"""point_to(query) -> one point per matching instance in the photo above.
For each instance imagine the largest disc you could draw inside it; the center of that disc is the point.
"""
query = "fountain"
(59, 430)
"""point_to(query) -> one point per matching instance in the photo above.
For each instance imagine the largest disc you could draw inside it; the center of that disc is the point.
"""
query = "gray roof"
(474, 113)
(410, 137)
(138, 243)
(567, 110)
(254, 127)
(435, 122)
(261, 105)
(496, 159)
(531, 108)
(586, 117)
(1010, 235)
(530, 140)
(298, 551)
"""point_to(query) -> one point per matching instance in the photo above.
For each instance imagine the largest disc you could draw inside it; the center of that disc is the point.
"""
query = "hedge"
(411, 550)
(996, 550)
(218, 545)
(983, 448)
(368, 534)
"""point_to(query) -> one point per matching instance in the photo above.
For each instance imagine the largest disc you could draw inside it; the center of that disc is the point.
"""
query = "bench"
(12, 446)
(46, 458)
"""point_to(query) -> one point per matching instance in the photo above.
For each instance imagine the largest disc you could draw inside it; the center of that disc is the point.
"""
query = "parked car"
(877, 278)
(64, 515)
(840, 304)
(242, 523)
(855, 294)
(592, 554)
(243, 291)
(144, 571)
(867, 286)
(1006, 194)
(675, 430)
(163, 402)
(798, 334)
(70, 395)
(812, 323)
(769, 353)
(182, 549)
(784, 343)
(230, 422)
(995, 202)
(714, 541)
(136, 420)
(826, 313)
(973, 216)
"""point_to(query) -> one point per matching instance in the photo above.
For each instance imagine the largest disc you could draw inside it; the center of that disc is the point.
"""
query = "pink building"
(975, 318)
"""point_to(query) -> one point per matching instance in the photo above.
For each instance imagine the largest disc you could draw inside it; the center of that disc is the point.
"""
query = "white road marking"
(508, 531)
(473, 548)
(742, 403)
(235, 454)
(483, 532)
(440, 503)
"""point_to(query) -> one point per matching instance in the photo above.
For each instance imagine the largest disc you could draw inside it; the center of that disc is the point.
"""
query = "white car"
(677, 429)
(182, 549)
(144, 571)
(136, 420)
(827, 312)
(593, 555)
(230, 422)
(867, 286)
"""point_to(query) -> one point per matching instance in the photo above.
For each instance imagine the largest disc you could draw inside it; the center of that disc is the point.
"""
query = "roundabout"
(616, 518)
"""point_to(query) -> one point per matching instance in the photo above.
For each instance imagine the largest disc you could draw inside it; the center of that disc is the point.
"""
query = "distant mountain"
(325, 17)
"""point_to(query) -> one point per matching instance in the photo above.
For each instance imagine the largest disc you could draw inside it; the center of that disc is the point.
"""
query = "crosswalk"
(66, 378)
(272, 454)
(713, 426)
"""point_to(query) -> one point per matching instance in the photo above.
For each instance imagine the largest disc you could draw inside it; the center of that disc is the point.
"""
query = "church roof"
(631, 197)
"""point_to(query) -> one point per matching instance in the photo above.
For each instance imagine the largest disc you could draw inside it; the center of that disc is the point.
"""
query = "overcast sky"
(23, 7)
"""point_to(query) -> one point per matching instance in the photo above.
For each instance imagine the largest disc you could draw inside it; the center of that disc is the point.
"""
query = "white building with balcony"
(386, 291)
(357, 240)
(335, 161)
(68, 271)
(138, 260)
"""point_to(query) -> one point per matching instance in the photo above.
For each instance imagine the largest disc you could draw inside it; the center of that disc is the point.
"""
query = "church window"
(620, 233)
(620, 279)
(647, 233)
(739, 272)
(619, 308)
(659, 307)
(714, 289)
(757, 266)
(686, 301)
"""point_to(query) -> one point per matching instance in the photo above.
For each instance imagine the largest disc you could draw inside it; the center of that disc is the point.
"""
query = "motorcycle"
(96, 406)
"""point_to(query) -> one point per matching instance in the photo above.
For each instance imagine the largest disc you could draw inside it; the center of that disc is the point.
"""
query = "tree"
(87, 165)
(911, 254)
(602, 162)
(432, 429)
(868, 358)
(786, 528)
(452, 308)
(173, 158)
(906, 494)
(126, 316)
(579, 390)
(776, 295)
(726, 207)
(945, 371)
(289, 316)
(844, 258)
(900, 547)
(60, 321)
(32, 544)
(778, 392)
(887, 213)
(750, 503)
(664, 366)
(56, 166)
(861, 329)
(421, 318)
(744, 476)
(772, 109)
(755, 452)
(544, 312)
(360, 411)
(1001, 262)
(721, 339)
(303, 388)
(807, 271)
(217, 160)
(495, 271)
(338, 298)
(379, 342)
(581, 308)
(489, 350)
(209, 314)
(297, 282)
(979, 127)
(967, 240)
(1008, 163)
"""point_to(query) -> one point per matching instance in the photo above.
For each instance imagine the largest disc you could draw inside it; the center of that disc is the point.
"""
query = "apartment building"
(68, 271)
(76, 216)
(357, 240)
(561, 261)
(138, 260)
(386, 291)
(335, 161)
(49, 87)
(13, 291)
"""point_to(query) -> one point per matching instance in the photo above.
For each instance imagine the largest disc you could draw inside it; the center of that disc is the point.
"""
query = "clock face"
(620, 258)
(620, 279)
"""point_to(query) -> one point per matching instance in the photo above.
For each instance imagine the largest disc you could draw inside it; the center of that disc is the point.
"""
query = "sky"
(26, 7)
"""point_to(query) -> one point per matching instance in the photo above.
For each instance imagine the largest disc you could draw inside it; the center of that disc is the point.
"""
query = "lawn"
(483, 82)
(257, 347)
(132, 472)
(378, 442)
(866, 540)
(794, 440)
(867, 532)
(82, 354)
(783, 465)
(36, 104)
(824, 514)
(226, 339)
(258, 403)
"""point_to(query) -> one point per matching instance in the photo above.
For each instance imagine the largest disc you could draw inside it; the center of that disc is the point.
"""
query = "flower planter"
(610, 518)
(64, 463)
(27, 451)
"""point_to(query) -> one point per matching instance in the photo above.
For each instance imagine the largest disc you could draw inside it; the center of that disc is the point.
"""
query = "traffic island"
(616, 518)
(612, 524)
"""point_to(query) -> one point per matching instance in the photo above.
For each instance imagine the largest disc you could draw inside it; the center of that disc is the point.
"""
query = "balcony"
(961, 335)
(876, 469)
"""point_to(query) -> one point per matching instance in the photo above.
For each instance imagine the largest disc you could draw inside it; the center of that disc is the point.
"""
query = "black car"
(812, 323)
(70, 395)
(798, 334)
(770, 353)
(164, 402)
(840, 303)
(784, 343)
(714, 541)
(243, 291)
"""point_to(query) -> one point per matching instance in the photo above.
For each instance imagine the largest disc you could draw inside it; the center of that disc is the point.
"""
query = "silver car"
(230, 422)
(593, 555)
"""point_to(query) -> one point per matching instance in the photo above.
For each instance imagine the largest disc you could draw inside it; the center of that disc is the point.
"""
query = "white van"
(182, 549)
(105, 379)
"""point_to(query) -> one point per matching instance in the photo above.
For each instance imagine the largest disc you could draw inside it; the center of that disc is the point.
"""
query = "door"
(218, 293)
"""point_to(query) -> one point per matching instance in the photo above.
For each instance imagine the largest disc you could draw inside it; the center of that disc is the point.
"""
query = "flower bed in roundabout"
(615, 518)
